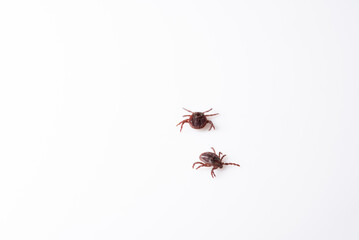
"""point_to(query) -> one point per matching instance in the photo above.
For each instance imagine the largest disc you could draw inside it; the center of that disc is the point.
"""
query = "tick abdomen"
(198, 120)
(209, 157)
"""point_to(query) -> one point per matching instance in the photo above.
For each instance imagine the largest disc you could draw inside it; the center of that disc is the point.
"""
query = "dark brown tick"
(211, 159)
(197, 120)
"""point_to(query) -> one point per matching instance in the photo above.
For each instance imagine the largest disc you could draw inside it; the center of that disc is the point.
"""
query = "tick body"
(211, 159)
(197, 120)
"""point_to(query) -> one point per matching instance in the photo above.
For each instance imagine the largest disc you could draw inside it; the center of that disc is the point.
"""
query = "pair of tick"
(198, 120)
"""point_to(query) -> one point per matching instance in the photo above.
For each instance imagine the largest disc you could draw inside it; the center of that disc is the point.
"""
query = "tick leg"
(223, 157)
(214, 150)
(207, 110)
(212, 115)
(188, 110)
(235, 164)
(197, 163)
(212, 173)
(183, 122)
(204, 165)
(182, 125)
(212, 126)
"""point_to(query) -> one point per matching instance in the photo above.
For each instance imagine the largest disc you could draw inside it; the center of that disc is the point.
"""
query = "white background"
(91, 91)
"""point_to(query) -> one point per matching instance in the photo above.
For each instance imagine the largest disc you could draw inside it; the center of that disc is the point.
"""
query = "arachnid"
(210, 159)
(197, 120)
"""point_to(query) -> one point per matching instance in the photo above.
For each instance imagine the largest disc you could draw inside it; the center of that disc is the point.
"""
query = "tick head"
(219, 164)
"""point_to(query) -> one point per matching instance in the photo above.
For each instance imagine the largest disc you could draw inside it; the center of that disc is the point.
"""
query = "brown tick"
(197, 120)
(210, 159)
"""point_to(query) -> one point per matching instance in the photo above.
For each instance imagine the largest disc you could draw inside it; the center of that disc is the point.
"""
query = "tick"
(197, 120)
(211, 159)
